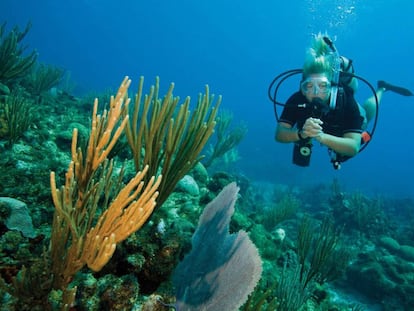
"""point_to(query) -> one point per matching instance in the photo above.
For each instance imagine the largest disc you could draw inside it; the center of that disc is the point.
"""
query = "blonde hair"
(319, 58)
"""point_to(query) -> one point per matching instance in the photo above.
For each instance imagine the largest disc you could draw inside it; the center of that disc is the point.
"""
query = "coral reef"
(322, 248)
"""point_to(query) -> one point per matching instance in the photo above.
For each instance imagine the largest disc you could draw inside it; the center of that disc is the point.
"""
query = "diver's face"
(316, 86)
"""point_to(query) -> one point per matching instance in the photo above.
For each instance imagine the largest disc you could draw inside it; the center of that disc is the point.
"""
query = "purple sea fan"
(222, 269)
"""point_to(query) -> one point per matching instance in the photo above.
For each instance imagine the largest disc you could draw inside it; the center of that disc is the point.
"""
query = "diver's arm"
(348, 145)
(285, 133)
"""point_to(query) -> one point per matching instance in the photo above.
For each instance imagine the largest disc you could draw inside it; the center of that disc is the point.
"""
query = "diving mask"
(312, 85)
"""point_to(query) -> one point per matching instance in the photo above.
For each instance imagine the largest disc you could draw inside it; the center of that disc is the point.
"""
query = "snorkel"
(337, 66)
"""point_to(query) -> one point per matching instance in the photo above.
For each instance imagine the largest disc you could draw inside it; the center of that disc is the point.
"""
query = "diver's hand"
(312, 128)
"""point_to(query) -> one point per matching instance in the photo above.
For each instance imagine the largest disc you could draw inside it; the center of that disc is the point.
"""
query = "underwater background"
(237, 48)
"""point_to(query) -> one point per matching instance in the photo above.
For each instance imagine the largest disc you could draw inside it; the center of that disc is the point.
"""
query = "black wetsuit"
(345, 118)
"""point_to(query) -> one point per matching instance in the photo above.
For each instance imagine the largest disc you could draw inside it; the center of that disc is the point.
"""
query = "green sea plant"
(262, 298)
(42, 78)
(17, 116)
(167, 136)
(368, 216)
(67, 84)
(320, 258)
(321, 255)
(292, 291)
(358, 212)
(226, 138)
(288, 293)
(33, 275)
(13, 63)
(283, 210)
(357, 307)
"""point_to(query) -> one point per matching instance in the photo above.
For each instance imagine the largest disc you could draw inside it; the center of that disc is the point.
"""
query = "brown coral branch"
(75, 241)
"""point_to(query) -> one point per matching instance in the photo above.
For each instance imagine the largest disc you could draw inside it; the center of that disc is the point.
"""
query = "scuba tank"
(336, 69)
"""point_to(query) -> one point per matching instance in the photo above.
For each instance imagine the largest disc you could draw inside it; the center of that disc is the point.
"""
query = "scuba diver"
(324, 109)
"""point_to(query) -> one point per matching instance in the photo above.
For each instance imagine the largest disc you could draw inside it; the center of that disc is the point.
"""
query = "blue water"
(237, 47)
